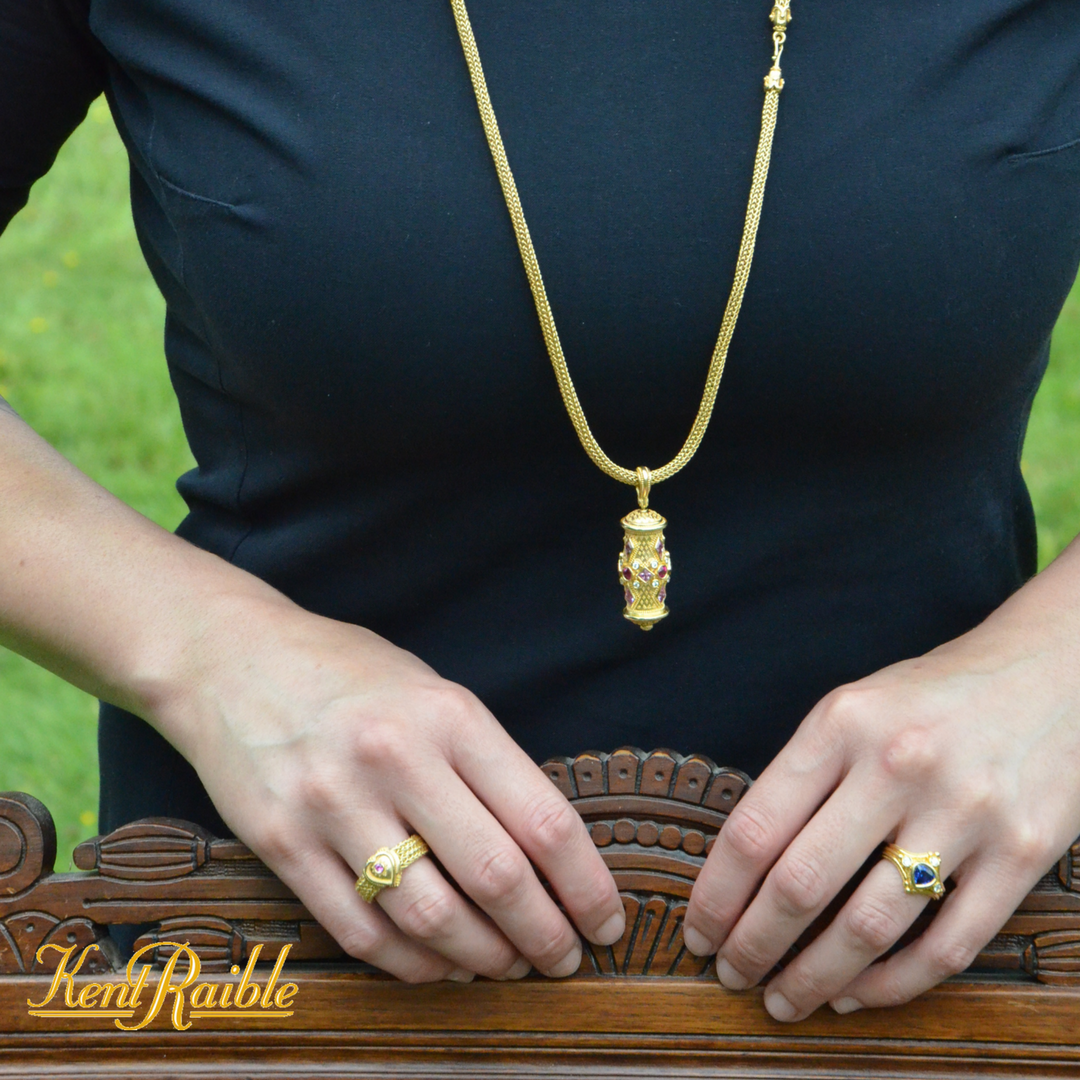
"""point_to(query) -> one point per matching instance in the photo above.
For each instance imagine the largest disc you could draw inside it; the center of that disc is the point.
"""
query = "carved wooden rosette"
(653, 817)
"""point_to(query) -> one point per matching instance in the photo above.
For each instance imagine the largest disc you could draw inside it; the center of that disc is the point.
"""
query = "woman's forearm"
(317, 741)
(94, 591)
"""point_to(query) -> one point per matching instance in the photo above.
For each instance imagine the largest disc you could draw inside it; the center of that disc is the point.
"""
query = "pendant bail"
(644, 483)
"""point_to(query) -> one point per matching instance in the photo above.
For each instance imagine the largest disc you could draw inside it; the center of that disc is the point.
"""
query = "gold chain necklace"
(644, 563)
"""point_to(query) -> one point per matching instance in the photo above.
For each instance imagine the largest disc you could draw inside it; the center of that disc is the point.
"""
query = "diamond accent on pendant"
(906, 861)
(636, 565)
(637, 584)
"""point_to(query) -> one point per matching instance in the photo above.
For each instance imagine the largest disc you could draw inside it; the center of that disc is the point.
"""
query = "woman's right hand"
(319, 742)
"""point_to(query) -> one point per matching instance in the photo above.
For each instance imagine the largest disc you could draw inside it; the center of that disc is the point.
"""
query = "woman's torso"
(377, 426)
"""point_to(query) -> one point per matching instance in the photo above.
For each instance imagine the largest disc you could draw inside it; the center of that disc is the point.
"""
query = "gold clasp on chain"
(644, 483)
(781, 17)
(781, 14)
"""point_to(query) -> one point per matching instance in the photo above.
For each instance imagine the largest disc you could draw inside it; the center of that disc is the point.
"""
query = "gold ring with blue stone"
(920, 872)
(383, 869)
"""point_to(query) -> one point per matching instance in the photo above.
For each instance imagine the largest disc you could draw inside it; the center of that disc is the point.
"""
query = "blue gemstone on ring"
(923, 875)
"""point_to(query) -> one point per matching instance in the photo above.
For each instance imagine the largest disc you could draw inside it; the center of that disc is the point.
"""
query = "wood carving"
(654, 818)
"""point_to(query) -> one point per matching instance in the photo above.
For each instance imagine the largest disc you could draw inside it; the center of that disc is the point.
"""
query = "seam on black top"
(1014, 158)
(250, 525)
(192, 195)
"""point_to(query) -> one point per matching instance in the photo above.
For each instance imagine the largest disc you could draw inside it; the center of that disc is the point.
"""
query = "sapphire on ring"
(920, 872)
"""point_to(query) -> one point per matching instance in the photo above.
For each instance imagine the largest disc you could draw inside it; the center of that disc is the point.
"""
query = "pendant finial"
(644, 565)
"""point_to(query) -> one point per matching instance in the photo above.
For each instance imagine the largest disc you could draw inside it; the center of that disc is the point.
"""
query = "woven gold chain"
(640, 478)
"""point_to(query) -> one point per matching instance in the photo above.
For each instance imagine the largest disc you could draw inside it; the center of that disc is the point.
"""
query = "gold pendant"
(644, 568)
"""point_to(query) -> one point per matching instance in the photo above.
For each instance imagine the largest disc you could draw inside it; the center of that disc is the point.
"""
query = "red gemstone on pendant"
(627, 573)
(662, 572)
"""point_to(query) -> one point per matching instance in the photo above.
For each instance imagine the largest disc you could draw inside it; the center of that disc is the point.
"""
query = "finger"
(760, 827)
(814, 867)
(550, 832)
(429, 910)
(488, 864)
(971, 915)
(326, 885)
(869, 924)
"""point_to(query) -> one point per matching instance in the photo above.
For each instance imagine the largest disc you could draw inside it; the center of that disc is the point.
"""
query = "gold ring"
(383, 869)
(920, 872)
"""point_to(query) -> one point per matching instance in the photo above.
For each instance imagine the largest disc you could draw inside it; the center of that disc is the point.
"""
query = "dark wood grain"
(643, 1006)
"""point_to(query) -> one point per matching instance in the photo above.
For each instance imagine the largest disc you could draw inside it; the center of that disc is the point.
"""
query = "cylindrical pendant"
(644, 568)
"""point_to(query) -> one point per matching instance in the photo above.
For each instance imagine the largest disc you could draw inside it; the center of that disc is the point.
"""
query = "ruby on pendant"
(662, 572)
(627, 573)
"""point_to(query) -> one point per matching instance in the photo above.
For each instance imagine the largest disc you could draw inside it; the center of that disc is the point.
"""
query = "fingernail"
(461, 975)
(612, 929)
(697, 942)
(779, 1007)
(568, 964)
(521, 968)
(729, 978)
(845, 1005)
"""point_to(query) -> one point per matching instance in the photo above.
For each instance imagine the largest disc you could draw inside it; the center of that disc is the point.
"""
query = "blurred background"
(81, 360)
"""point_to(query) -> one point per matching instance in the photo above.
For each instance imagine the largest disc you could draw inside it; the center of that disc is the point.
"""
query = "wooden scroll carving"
(654, 818)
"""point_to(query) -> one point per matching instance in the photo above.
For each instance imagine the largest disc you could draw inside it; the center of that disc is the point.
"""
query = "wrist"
(201, 635)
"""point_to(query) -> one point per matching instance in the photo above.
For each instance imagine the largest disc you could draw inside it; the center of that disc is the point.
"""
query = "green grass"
(1051, 461)
(81, 360)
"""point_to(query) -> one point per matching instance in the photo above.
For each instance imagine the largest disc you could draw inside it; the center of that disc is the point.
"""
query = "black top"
(363, 380)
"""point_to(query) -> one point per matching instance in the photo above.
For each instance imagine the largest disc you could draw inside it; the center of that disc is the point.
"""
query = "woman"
(387, 479)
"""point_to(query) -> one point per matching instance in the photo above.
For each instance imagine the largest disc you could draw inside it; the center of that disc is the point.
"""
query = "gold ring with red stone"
(383, 869)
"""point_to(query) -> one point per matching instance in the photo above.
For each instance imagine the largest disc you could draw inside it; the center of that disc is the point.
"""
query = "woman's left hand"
(972, 751)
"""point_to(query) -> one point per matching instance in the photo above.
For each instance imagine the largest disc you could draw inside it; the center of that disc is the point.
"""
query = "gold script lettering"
(246, 984)
(204, 996)
(61, 973)
(279, 963)
(88, 993)
(165, 986)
